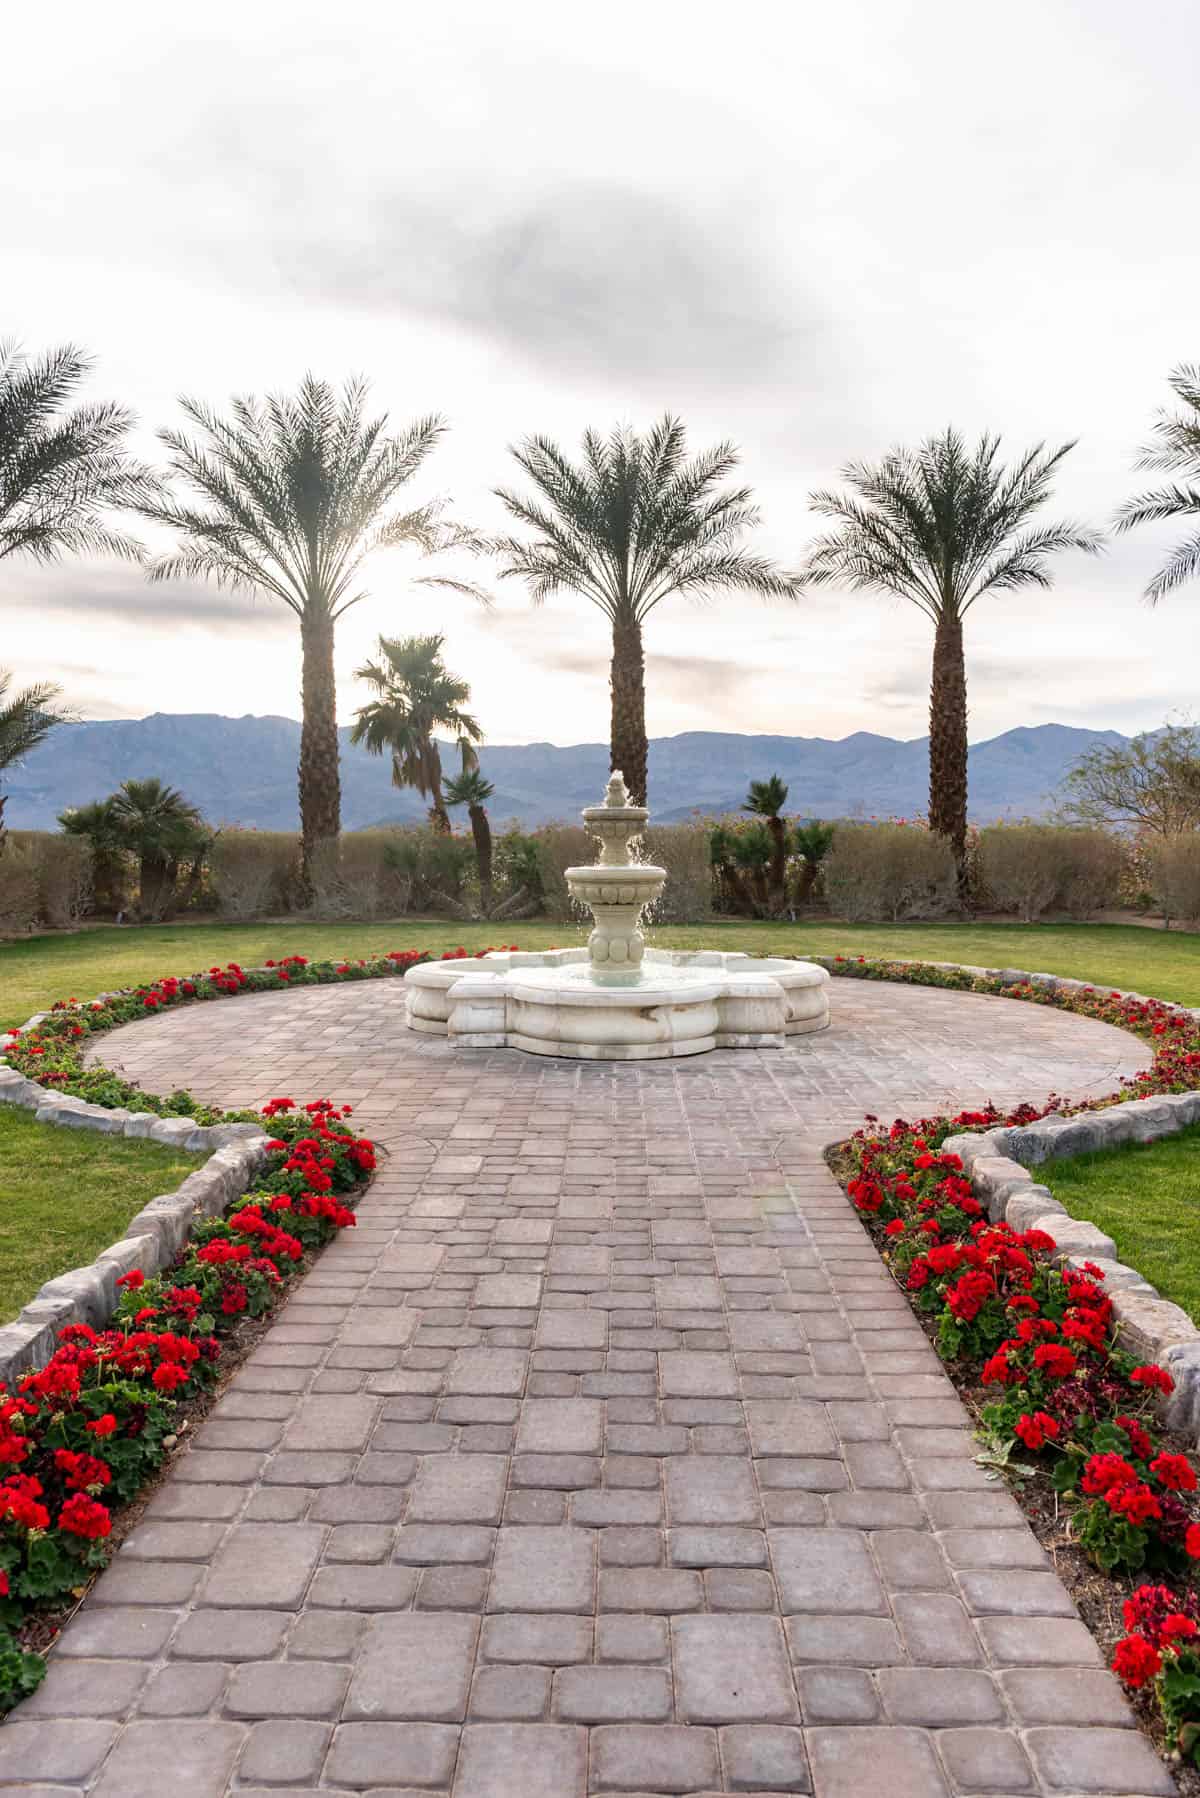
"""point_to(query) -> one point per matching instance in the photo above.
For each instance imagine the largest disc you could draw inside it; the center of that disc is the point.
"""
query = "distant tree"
(156, 825)
(292, 493)
(26, 719)
(416, 696)
(766, 799)
(98, 823)
(1151, 783)
(811, 843)
(632, 523)
(940, 527)
(63, 468)
(472, 790)
(1175, 449)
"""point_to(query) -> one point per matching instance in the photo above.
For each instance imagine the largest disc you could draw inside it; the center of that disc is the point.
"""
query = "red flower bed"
(80, 1436)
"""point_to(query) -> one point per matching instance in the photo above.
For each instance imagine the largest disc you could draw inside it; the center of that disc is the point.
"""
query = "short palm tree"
(1175, 449)
(98, 824)
(416, 695)
(632, 523)
(287, 497)
(766, 799)
(473, 790)
(164, 830)
(941, 526)
(26, 718)
(63, 468)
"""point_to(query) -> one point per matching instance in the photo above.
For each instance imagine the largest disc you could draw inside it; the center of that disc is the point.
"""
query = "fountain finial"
(616, 793)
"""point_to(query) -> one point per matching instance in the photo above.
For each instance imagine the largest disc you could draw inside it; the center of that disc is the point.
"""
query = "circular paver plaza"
(603, 1456)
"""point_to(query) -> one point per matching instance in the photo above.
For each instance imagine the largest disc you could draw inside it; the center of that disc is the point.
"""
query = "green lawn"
(37, 970)
(1146, 1199)
(67, 1194)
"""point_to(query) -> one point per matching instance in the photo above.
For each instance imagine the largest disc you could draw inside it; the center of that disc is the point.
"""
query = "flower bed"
(1034, 1344)
(81, 1435)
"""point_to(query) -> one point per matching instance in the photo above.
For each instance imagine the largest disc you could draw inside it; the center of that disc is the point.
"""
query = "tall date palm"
(630, 524)
(941, 526)
(287, 496)
(63, 468)
(1175, 450)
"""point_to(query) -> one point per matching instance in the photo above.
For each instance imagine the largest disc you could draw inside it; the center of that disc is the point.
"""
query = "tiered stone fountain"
(616, 1000)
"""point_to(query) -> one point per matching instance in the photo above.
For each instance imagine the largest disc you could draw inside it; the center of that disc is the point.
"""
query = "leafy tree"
(766, 799)
(1151, 782)
(471, 789)
(1175, 449)
(63, 468)
(159, 827)
(416, 696)
(631, 524)
(941, 526)
(26, 719)
(287, 497)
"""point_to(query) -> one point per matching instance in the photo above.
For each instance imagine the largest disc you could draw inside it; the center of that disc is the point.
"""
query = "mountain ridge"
(243, 771)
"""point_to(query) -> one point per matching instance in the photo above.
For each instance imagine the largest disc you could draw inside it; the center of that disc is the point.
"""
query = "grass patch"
(37, 970)
(1147, 1200)
(67, 1194)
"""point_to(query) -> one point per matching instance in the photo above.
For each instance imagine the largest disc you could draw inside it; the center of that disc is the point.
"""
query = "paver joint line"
(601, 1457)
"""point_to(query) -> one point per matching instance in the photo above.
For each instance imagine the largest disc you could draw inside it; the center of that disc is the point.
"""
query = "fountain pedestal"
(616, 1000)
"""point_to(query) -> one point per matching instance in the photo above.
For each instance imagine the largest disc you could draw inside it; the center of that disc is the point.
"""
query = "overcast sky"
(818, 229)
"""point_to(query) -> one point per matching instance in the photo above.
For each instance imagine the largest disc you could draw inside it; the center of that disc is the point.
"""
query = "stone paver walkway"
(602, 1457)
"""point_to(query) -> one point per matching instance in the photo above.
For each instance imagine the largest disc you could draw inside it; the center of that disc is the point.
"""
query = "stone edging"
(998, 1162)
(152, 1239)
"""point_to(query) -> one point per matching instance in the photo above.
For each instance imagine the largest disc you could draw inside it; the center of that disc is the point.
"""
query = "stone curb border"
(152, 1239)
(998, 1162)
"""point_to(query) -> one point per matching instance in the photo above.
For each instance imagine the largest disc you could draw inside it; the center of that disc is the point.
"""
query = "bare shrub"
(1092, 863)
(682, 849)
(252, 872)
(20, 887)
(1021, 867)
(559, 847)
(1174, 876)
(889, 871)
(64, 881)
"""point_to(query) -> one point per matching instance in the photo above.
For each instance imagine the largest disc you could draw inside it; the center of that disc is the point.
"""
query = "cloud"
(84, 591)
(590, 275)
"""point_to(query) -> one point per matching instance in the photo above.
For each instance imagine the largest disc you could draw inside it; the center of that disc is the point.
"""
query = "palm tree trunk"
(481, 830)
(948, 741)
(320, 785)
(627, 749)
(778, 830)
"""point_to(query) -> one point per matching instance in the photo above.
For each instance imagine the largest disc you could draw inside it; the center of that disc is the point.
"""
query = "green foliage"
(812, 842)
(20, 1673)
(1175, 450)
(1152, 782)
(766, 798)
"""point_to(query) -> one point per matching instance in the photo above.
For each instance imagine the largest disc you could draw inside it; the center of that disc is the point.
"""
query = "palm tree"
(26, 719)
(472, 789)
(62, 471)
(417, 695)
(766, 799)
(1176, 448)
(165, 831)
(291, 494)
(98, 824)
(941, 527)
(631, 524)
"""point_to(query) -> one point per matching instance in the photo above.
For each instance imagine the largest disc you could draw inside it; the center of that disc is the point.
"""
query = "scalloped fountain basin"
(675, 1003)
(616, 1000)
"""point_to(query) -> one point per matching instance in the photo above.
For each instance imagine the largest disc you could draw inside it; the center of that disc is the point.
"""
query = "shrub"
(682, 849)
(427, 870)
(1019, 867)
(559, 847)
(1092, 866)
(889, 871)
(253, 872)
(63, 865)
(20, 888)
(1175, 876)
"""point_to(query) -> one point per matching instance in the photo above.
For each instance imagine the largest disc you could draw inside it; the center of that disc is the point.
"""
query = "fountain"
(616, 1000)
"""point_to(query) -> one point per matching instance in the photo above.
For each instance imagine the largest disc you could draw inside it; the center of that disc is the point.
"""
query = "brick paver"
(602, 1457)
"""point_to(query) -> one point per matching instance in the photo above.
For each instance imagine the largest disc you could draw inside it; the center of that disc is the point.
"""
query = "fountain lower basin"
(675, 1003)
